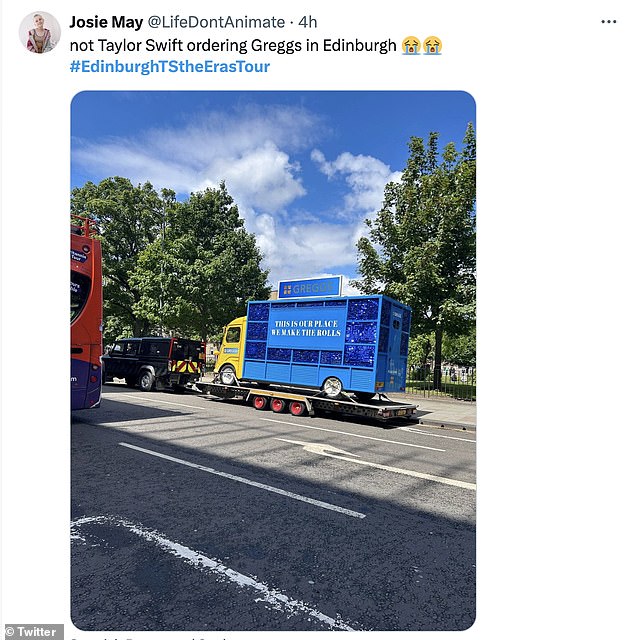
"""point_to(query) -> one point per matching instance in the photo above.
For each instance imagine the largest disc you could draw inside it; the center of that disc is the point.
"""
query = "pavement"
(441, 412)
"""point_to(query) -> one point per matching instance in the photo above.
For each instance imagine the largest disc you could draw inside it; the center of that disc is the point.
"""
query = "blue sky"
(305, 168)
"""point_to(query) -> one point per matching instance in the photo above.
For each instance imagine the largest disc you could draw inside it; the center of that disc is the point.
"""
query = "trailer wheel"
(228, 375)
(297, 408)
(260, 402)
(278, 405)
(332, 387)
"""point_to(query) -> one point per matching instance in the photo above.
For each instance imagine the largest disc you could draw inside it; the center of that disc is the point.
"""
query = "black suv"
(155, 363)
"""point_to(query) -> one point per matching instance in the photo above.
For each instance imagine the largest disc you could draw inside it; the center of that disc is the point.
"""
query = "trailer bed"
(305, 401)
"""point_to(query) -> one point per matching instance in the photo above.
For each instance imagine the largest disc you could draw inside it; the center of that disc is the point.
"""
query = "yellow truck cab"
(229, 359)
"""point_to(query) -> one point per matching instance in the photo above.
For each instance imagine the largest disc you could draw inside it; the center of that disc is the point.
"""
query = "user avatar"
(42, 32)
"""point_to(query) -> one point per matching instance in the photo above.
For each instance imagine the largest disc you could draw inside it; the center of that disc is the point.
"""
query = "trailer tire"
(332, 387)
(260, 402)
(297, 408)
(228, 375)
(147, 381)
(278, 405)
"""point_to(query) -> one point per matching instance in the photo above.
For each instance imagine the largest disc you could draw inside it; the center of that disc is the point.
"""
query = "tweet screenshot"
(350, 292)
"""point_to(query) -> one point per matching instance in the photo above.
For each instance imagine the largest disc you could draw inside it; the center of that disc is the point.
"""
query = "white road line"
(175, 404)
(339, 454)
(252, 483)
(433, 435)
(353, 435)
(203, 563)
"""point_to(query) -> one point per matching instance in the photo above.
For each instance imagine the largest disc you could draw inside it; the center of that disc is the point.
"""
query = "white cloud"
(253, 150)
(243, 148)
(262, 177)
(366, 176)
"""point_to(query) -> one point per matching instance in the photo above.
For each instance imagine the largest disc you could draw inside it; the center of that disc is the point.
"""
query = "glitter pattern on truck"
(354, 344)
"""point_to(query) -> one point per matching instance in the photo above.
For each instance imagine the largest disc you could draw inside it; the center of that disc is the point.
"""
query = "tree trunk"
(438, 358)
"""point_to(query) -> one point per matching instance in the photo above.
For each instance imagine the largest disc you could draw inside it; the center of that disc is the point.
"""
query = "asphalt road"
(189, 513)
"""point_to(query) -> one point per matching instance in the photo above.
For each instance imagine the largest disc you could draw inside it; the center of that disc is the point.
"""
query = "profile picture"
(39, 32)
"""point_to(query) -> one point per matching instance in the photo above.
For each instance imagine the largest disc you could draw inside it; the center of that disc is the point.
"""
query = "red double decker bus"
(86, 314)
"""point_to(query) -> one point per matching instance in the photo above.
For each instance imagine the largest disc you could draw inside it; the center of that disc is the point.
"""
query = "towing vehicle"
(153, 362)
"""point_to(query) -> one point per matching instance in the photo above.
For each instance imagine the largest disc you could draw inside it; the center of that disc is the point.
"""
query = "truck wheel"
(278, 405)
(297, 408)
(332, 387)
(260, 402)
(146, 381)
(228, 375)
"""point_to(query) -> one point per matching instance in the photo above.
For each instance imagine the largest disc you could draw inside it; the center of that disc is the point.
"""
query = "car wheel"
(228, 375)
(146, 381)
(332, 387)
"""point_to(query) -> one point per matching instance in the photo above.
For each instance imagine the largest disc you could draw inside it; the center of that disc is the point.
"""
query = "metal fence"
(456, 382)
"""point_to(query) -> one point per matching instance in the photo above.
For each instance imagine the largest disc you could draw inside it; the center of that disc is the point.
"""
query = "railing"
(82, 226)
(455, 382)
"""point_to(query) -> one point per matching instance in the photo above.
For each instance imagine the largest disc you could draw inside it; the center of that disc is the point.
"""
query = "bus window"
(79, 291)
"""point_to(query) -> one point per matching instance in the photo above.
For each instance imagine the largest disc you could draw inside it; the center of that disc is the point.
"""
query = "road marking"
(252, 483)
(175, 404)
(339, 454)
(353, 435)
(433, 435)
(203, 563)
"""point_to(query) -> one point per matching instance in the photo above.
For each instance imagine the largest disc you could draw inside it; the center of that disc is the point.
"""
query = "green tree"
(421, 246)
(460, 350)
(129, 219)
(202, 269)
(420, 348)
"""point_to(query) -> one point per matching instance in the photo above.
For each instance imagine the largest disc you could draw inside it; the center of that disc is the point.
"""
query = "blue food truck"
(334, 350)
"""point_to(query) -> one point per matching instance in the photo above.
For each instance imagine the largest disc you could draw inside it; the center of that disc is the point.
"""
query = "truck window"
(118, 347)
(186, 350)
(233, 335)
(155, 348)
(130, 349)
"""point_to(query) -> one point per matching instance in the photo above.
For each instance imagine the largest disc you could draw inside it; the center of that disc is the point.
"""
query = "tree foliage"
(171, 267)
(129, 221)
(420, 248)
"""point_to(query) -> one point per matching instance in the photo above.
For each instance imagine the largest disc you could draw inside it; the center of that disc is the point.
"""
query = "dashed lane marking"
(252, 483)
(175, 404)
(354, 435)
(339, 454)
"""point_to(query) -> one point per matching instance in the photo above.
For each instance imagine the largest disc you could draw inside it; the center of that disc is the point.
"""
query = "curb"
(447, 424)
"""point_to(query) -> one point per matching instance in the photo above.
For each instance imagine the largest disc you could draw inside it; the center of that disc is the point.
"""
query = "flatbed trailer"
(301, 402)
